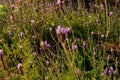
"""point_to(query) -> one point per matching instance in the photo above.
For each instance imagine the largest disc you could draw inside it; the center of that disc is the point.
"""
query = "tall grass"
(43, 40)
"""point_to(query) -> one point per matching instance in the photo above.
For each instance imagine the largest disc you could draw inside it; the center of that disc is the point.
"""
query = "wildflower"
(31, 62)
(84, 44)
(19, 66)
(1, 57)
(11, 17)
(35, 54)
(34, 37)
(13, 7)
(58, 2)
(44, 43)
(58, 30)
(62, 30)
(47, 62)
(112, 50)
(1, 52)
(32, 21)
(102, 36)
(74, 47)
(111, 70)
(92, 33)
(110, 13)
(104, 73)
(97, 21)
(21, 34)
(67, 30)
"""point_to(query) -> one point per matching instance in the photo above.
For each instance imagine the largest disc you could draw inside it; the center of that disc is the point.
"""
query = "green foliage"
(28, 35)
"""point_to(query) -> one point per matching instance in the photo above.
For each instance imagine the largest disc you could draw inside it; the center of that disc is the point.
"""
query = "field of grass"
(49, 40)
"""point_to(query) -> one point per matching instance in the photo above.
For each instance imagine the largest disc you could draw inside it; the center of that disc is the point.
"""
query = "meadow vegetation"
(50, 40)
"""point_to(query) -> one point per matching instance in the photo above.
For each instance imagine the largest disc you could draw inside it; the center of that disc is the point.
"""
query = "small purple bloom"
(58, 30)
(74, 47)
(110, 13)
(1, 52)
(19, 66)
(58, 2)
(104, 73)
(84, 44)
(111, 70)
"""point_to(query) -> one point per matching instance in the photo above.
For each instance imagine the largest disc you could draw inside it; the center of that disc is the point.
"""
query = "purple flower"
(19, 66)
(74, 47)
(13, 7)
(58, 30)
(110, 13)
(111, 70)
(104, 73)
(84, 44)
(67, 30)
(58, 2)
(1, 52)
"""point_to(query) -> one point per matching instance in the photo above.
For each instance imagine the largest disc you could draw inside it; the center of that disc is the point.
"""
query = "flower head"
(74, 47)
(58, 2)
(58, 30)
(1, 52)
(19, 66)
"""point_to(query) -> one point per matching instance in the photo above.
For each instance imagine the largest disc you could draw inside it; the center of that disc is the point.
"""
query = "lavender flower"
(110, 13)
(111, 70)
(58, 30)
(13, 7)
(74, 47)
(84, 44)
(19, 66)
(62, 30)
(58, 2)
(1, 52)
(104, 73)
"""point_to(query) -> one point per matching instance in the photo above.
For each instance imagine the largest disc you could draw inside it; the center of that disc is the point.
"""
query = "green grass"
(25, 37)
